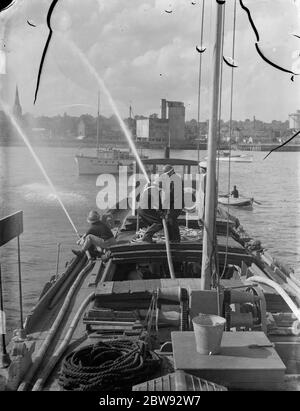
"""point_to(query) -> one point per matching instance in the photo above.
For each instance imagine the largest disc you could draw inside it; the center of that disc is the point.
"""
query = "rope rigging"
(115, 364)
(112, 365)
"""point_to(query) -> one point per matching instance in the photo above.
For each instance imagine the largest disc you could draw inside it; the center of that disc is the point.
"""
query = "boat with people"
(241, 202)
(211, 312)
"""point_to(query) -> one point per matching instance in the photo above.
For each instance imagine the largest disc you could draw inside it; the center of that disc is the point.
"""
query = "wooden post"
(4, 358)
(210, 195)
(57, 258)
(20, 286)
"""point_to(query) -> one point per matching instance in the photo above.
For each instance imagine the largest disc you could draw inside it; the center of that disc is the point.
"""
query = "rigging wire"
(200, 74)
(230, 135)
(220, 102)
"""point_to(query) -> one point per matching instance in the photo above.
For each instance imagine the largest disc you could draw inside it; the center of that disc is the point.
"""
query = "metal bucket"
(208, 331)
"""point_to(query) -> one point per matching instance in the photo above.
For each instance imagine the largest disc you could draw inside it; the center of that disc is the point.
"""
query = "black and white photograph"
(150, 199)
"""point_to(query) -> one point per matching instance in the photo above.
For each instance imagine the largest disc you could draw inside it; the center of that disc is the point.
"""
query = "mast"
(98, 122)
(199, 79)
(210, 194)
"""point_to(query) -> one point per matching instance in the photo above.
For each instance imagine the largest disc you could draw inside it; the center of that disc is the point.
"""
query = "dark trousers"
(153, 220)
(151, 230)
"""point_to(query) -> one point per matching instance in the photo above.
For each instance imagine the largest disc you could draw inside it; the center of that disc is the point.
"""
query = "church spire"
(17, 108)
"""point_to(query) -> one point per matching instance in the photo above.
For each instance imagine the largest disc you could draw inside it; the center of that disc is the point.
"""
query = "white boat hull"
(245, 203)
(94, 165)
(237, 159)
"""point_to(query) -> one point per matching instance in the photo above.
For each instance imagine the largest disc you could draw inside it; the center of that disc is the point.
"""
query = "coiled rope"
(112, 365)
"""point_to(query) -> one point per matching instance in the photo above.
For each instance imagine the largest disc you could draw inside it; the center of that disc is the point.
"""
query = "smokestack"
(164, 109)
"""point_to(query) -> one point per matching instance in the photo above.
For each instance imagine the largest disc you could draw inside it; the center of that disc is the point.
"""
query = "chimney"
(164, 109)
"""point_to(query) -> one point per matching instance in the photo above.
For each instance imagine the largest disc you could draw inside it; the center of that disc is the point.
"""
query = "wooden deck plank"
(121, 287)
(105, 288)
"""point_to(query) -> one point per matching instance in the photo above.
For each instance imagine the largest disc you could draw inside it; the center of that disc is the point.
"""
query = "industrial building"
(294, 120)
(170, 127)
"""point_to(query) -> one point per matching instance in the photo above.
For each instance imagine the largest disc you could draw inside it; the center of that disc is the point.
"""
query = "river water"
(273, 182)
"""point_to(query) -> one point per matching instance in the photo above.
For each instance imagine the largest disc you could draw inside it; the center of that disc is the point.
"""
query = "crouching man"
(97, 235)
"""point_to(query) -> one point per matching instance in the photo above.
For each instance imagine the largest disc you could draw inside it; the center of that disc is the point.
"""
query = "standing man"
(98, 235)
(173, 202)
(150, 210)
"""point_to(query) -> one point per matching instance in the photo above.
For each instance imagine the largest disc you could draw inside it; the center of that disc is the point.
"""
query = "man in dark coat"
(173, 202)
(235, 192)
(97, 235)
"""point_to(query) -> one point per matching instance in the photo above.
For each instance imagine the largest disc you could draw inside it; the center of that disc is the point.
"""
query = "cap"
(93, 216)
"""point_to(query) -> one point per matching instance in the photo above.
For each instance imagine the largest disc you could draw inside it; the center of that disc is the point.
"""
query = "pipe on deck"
(53, 330)
(40, 382)
(280, 291)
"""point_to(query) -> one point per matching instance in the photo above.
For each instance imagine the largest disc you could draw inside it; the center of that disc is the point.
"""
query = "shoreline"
(175, 146)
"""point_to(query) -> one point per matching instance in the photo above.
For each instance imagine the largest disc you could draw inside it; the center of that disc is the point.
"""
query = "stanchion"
(21, 333)
(57, 258)
(4, 358)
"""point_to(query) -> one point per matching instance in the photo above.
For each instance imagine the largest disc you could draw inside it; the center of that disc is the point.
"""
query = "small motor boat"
(236, 158)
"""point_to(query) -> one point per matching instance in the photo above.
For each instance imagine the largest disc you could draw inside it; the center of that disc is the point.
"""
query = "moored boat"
(233, 157)
(106, 161)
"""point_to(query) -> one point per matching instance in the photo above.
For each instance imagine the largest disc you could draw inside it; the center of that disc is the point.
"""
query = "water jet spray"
(38, 162)
(101, 83)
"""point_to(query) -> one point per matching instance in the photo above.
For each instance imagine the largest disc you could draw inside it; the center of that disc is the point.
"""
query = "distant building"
(17, 109)
(294, 120)
(154, 130)
(171, 125)
(176, 114)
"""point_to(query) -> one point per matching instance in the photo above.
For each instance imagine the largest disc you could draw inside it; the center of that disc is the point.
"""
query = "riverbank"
(81, 144)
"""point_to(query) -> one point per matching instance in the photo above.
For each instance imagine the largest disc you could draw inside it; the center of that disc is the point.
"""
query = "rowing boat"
(236, 202)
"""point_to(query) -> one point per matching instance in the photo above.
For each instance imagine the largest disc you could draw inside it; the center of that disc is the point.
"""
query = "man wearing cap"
(98, 235)
(173, 200)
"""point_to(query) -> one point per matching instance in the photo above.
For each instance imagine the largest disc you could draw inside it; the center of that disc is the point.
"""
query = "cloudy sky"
(144, 53)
